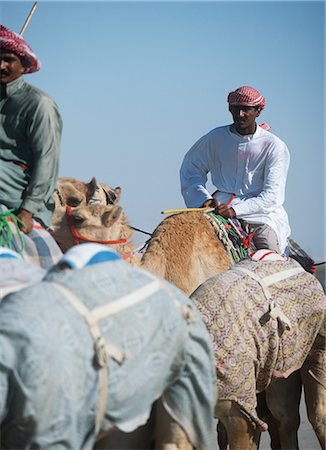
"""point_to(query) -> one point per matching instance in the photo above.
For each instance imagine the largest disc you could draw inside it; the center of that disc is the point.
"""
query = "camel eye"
(73, 201)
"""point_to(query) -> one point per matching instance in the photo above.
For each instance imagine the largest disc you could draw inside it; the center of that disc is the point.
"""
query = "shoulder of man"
(37, 94)
(272, 138)
(39, 100)
(209, 138)
(218, 131)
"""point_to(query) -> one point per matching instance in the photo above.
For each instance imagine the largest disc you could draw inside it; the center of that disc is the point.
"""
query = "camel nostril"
(78, 220)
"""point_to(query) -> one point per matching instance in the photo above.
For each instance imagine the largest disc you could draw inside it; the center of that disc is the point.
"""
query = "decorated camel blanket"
(38, 246)
(157, 344)
(261, 330)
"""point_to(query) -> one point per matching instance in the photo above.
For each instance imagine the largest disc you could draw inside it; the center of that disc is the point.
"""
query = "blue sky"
(137, 83)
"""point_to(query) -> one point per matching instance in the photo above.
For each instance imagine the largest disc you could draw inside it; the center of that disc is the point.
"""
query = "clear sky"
(137, 83)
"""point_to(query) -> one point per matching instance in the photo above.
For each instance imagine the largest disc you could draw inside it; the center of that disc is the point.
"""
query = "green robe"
(30, 135)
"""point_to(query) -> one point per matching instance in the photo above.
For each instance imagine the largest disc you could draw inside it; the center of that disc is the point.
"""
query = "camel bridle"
(79, 238)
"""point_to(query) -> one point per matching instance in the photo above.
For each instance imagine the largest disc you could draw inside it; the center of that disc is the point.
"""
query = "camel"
(74, 192)
(171, 254)
(39, 246)
(71, 192)
(175, 252)
(89, 223)
(101, 344)
(266, 320)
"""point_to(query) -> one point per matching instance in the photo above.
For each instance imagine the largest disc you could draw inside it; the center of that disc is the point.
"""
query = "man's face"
(244, 118)
(11, 67)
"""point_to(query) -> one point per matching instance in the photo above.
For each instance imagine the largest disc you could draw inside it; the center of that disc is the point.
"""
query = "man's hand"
(225, 211)
(27, 218)
(211, 203)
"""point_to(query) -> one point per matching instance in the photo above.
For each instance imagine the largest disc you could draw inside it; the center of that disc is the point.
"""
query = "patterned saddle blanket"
(263, 325)
(38, 246)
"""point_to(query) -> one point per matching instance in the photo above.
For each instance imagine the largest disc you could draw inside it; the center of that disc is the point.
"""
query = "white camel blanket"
(251, 340)
(49, 381)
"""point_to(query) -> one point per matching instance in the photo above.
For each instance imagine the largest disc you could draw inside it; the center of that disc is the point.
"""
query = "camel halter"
(78, 238)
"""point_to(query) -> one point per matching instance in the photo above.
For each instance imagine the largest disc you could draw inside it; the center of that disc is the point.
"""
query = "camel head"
(100, 222)
(73, 192)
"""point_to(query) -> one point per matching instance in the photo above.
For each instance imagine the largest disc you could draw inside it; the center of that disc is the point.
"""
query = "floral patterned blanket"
(262, 329)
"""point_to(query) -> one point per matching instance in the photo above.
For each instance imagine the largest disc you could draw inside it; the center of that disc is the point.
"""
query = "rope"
(227, 234)
(141, 231)
(6, 234)
(204, 208)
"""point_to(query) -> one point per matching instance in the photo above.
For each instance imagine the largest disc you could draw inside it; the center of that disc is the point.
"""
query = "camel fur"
(175, 251)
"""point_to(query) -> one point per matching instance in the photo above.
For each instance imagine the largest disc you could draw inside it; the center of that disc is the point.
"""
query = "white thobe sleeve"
(193, 174)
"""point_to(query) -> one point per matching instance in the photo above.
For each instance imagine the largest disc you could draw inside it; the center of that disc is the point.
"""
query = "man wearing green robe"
(30, 135)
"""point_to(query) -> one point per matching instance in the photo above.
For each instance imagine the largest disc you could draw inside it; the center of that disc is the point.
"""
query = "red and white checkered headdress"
(14, 43)
(246, 96)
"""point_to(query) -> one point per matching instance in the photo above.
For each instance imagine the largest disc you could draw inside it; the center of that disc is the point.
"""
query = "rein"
(78, 238)
(6, 235)
(141, 231)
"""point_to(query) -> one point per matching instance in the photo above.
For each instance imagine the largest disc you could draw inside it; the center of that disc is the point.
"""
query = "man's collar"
(246, 137)
(13, 86)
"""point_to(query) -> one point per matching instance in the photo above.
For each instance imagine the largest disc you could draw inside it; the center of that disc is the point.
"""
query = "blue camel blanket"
(49, 381)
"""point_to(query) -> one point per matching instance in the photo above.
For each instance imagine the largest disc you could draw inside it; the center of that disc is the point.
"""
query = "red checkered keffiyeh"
(246, 96)
(14, 43)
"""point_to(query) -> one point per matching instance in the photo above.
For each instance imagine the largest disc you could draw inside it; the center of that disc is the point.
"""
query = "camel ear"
(110, 217)
(112, 195)
(93, 192)
(117, 192)
(91, 186)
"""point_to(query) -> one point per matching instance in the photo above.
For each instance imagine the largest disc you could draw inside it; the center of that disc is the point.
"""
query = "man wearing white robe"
(248, 167)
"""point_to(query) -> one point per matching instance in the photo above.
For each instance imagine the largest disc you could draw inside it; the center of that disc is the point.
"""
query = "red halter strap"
(78, 238)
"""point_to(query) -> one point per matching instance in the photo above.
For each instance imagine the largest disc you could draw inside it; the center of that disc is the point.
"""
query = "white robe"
(253, 168)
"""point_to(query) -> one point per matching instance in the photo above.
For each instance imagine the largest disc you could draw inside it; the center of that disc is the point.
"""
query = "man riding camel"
(248, 166)
(30, 135)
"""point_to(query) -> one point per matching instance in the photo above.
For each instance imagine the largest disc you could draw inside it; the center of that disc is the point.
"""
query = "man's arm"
(193, 174)
(44, 137)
